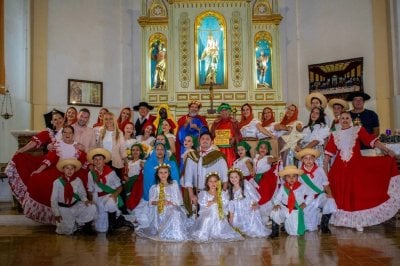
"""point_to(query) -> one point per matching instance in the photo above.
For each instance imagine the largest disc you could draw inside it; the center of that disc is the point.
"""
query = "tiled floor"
(39, 245)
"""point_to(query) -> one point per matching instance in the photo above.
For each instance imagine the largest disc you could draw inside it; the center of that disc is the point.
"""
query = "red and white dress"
(34, 191)
(47, 136)
(366, 189)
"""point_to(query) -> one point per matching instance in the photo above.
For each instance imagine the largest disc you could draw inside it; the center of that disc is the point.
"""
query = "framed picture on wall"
(85, 92)
(336, 79)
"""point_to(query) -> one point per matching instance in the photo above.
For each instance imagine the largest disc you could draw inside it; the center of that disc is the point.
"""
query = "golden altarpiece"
(212, 51)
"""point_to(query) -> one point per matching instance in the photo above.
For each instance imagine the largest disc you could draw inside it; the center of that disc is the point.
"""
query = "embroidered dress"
(319, 133)
(292, 218)
(74, 212)
(247, 220)
(46, 137)
(33, 191)
(241, 164)
(170, 223)
(366, 189)
(209, 226)
(315, 180)
(104, 202)
(267, 180)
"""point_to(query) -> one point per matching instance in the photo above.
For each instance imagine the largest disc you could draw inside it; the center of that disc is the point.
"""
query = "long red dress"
(366, 189)
(34, 191)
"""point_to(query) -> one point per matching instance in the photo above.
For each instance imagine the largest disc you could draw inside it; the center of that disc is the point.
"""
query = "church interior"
(175, 51)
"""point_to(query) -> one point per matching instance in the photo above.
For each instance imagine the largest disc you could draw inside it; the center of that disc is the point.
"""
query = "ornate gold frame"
(222, 22)
(158, 36)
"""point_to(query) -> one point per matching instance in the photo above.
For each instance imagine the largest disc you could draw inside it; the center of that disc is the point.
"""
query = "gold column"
(39, 28)
(382, 63)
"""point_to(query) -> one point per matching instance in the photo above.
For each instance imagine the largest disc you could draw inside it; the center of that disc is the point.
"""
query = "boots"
(275, 230)
(121, 222)
(112, 222)
(325, 223)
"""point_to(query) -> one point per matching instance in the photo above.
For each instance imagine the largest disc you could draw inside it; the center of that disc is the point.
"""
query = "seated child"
(315, 179)
(212, 224)
(105, 186)
(69, 201)
(244, 213)
(169, 220)
(289, 203)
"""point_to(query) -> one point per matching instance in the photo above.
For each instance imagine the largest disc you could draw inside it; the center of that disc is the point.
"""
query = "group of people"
(185, 180)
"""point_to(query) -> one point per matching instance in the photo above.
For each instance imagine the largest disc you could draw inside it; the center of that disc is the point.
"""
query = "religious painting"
(158, 61)
(85, 92)
(210, 47)
(336, 79)
(263, 56)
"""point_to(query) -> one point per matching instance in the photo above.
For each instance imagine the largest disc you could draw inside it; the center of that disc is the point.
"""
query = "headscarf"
(287, 120)
(245, 120)
(265, 123)
(158, 119)
(149, 170)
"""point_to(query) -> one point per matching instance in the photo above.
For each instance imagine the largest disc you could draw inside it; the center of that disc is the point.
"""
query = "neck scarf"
(292, 197)
(68, 189)
(311, 172)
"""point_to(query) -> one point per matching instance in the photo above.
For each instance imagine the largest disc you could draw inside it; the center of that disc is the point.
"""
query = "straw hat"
(71, 161)
(339, 101)
(290, 170)
(317, 95)
(98, 151)
(307, 151)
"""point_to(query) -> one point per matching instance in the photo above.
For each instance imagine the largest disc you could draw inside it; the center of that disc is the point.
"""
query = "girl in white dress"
(169, 222)
(244, 162)
(244, 213)
(212, 225)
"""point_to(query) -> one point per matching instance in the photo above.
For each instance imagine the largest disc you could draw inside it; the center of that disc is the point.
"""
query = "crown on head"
(235, 170)
(162, 165)
(212, 173)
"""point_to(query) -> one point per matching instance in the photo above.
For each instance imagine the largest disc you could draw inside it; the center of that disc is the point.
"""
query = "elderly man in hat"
(144, 116)
(362, 116)
(226, 133)
(191, 124)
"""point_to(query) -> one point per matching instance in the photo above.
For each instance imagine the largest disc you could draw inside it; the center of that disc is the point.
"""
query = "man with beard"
(191, 124)
(84, 135)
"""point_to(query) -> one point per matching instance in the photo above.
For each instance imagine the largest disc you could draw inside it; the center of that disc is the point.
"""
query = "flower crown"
(162, 165)
(212, 173)
(235, 170)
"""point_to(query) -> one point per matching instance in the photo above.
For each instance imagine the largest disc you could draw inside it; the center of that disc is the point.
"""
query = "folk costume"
(68, 201)
(366, 189)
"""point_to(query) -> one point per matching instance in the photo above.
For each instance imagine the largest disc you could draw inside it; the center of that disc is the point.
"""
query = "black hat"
(362, 94)
(145, 104)
(49, 116)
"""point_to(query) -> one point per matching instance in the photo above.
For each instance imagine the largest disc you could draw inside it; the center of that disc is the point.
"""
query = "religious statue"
(262, 67)
(159, 54)
(210, 56)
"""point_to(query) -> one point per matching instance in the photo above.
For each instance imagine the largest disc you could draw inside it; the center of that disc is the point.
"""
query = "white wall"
(17, 79)
(94, 40)
(318, 31)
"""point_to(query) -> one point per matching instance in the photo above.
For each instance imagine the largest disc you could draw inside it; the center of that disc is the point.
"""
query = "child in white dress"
(169, 221)
(212, 224)
(244, 213)
(244, 162)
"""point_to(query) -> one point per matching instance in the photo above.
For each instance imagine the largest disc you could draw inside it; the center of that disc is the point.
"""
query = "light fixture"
(6, 104)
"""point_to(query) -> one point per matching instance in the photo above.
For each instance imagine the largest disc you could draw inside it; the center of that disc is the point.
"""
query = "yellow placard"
(222, 137)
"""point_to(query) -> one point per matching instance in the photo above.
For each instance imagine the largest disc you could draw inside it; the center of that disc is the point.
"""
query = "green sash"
(129, 184)
(257, 178)
(106, 188)
(310, 183)
(301, 228)
(62, 181)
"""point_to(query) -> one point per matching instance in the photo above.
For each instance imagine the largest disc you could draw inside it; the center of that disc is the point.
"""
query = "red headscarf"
(148, 123)
(287, 120)
(243, 120)
(269, 121)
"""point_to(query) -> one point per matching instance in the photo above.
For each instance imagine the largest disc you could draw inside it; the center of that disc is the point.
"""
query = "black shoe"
(275, 230)
(122, 222)
(87, 229)
(325, 223)
(112, 222)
